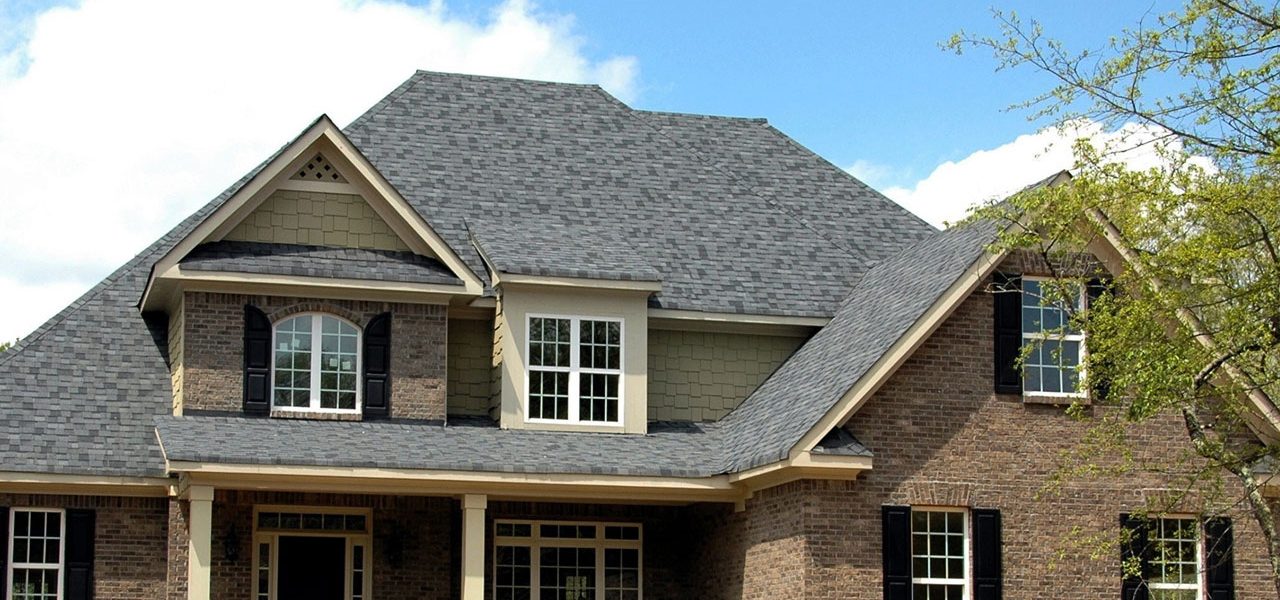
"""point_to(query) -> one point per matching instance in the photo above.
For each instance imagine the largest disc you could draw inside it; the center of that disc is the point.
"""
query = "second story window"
(316, 364)
(1053, 365)
(575, 370)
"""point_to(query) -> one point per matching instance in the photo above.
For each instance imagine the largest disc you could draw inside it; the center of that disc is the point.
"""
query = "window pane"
(938, 550)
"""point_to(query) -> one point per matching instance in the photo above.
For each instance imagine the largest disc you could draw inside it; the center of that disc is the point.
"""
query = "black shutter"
(257, 361)
(4, 552)
(988, 575)
(896, 547)
(1134, 546)
(1220, 575)
(377, 366)
(78, 555)
(1008, 331)
(1099, 387)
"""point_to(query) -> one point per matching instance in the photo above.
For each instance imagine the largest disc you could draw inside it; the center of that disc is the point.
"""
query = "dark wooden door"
(311, 568)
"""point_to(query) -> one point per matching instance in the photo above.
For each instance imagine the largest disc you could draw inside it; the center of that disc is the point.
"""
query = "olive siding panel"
(175, 355)
(701, 376)
(317, 219)
(470, 357)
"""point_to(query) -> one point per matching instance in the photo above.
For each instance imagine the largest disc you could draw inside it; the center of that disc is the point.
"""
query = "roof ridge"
(877, 193)
(702, 116)
(706, 160)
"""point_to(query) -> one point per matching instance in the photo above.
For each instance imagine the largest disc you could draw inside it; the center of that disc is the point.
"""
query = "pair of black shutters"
(77, 555)
(257, 364)
(1219, 566)
(987, 568)
(1008, 333)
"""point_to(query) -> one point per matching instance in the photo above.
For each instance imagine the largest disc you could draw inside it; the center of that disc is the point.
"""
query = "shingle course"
(318, 261)
(561, 251)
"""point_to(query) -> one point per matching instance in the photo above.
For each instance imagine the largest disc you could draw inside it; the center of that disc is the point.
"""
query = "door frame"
(270, 539)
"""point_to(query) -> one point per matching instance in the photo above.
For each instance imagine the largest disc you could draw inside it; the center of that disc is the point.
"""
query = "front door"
(311, 568)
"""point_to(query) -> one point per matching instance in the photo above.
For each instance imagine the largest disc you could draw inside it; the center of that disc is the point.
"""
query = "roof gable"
(320, 161)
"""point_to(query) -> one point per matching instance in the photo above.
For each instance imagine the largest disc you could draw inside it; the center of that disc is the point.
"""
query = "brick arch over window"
(315, 306)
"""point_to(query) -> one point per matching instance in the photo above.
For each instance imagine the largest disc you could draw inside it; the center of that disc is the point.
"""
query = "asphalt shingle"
(561, 251)
(318, 261)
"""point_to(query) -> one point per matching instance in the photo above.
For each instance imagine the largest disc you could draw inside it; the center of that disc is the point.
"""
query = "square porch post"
(200, 539)
(473, 507)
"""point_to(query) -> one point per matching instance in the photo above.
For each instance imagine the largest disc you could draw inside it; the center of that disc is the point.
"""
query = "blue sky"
(851, 80)
(120, 118)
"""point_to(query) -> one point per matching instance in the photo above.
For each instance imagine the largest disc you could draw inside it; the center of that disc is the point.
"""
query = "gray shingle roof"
(678, 451)
(561, 251)
(82, 393)
(878, 311)
(318, 261)
(724, 238)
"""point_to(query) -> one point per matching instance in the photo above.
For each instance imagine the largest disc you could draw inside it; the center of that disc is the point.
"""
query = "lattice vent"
(319, 169)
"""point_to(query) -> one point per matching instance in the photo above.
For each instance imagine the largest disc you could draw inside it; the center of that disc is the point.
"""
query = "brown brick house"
(509, 339)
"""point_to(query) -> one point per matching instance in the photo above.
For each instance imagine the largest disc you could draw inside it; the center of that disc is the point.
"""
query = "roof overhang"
(179, 279)
(364, 179)
(88, 485)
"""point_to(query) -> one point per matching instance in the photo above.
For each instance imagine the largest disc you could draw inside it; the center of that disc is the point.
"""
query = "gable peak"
(318, 169)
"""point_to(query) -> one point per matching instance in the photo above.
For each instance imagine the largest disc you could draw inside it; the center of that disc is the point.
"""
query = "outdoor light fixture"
(231, 544)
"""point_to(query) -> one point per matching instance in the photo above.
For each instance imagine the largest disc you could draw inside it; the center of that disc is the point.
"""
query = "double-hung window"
(939, 554)
(316, 365)
(1175, 559)
(575, 370)
(1054, 345)
(36, 543)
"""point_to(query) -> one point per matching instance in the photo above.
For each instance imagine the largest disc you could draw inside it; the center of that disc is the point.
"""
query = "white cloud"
(946, 194)
(117, 119)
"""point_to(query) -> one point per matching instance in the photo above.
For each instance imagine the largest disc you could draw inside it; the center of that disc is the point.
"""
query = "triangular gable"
(320, 160)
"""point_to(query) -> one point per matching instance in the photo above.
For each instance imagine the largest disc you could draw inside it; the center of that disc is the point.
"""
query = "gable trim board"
(900, 351)
(319, 287)
(381, 196)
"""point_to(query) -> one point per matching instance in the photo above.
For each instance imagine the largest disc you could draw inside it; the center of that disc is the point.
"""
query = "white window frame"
(316, 333)
(270, 538)
(535, 541)
(575, 371)
(62, 548)
(1041, 337)
(1153, 540)
(966, 581)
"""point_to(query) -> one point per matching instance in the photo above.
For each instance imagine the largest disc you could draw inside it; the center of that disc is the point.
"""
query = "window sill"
(1049, 400)
(315, 416)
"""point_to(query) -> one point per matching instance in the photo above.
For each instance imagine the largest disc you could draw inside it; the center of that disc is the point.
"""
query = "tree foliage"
(1193, 325)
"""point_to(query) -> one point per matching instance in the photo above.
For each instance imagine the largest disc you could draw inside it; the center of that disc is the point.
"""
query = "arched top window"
(316, 364)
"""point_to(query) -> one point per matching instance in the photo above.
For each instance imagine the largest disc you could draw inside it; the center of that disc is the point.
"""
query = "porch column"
(473, 506)
(200, 537)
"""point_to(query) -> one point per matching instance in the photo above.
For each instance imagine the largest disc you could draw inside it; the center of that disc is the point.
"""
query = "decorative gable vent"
(319, 169)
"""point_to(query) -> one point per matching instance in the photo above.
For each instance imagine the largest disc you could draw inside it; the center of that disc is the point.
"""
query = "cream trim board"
(323, 287)
(500, 278)
(50, 483)
(325, 187)
(745, 319)
(900, 351)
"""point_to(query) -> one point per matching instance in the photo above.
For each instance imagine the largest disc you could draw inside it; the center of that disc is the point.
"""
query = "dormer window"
(575, 370)
(316, 364)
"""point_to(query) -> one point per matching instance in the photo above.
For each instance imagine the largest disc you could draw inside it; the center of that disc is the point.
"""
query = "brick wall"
(213, 349)
(317, 219)
(130, 540)
(756, 554)
(470, 366)
(701, 376)
(940, 436)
